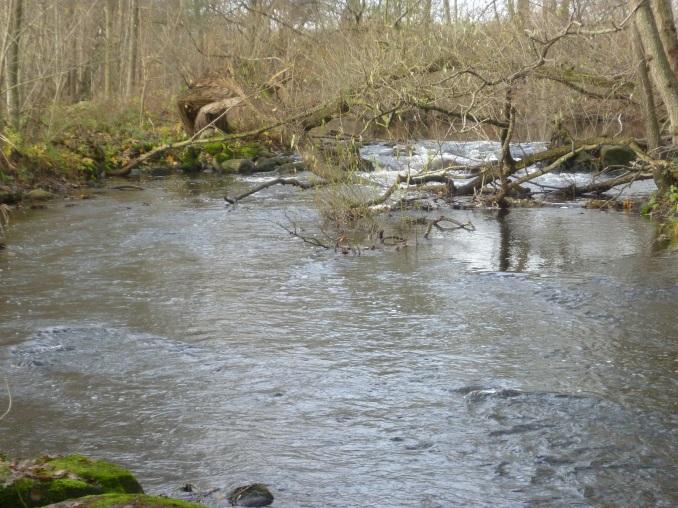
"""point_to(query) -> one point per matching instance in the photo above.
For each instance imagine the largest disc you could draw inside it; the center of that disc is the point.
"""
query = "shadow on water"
(529, 363)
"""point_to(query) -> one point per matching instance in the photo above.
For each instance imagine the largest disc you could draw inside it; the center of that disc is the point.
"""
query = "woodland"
(102, 88)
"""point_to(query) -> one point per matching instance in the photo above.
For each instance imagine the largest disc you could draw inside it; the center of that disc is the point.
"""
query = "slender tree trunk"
(564, 10)
(109, 10)
(72, 56)
(663, 15)
(523, 11)
(650, 113)
(664, 78)
(448, 15)
(13, 63)
(427, 14)
(133, 48)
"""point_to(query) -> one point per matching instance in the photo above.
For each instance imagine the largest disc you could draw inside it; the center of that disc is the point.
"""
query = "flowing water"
(529, 363)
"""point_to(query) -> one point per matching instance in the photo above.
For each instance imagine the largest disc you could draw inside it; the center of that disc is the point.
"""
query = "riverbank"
(75, 481)
(86, 143)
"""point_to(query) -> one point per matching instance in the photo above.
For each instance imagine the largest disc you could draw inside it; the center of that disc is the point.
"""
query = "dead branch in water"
(270, 183)
(468, 226)
(9, 403)
(604, 186)
(295, 232)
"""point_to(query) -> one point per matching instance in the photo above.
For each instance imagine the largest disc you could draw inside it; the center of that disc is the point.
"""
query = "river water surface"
(529, 363)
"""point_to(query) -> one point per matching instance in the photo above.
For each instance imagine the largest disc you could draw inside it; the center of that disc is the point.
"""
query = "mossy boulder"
(254, 495)
(190, 160)
(48, 480)
(243, 166)
(616, 155)
(39, 195)
(125, 501)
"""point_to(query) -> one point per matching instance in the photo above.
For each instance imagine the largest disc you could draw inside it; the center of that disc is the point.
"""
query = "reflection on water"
(529, 363)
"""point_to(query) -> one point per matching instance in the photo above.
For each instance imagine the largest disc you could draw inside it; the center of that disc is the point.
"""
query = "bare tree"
(650, 114)
(666, 26)
(13, 62)
(664, 77)
(132, 47)
(109, 12)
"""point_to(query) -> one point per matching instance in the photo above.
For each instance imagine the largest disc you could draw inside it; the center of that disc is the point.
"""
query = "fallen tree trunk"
(561, 155)
(307, 120)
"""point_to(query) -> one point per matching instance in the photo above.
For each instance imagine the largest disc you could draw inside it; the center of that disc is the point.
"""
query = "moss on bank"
(50, 480)
(664, 209)
(126, 501)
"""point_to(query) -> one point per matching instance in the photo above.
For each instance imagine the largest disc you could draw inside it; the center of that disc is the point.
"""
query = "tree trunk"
(564, 10)
(448, 15)
(663, 15)
(72, 53)
(649, 113)
(523, 11)
(662, 75)
(109, 10)
(132, 48)
(427, 14)
(13, 63)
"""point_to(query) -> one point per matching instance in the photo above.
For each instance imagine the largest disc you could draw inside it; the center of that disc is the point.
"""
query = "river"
(531, 362)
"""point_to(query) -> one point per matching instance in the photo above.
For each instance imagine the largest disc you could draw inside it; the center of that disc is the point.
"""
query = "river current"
(531, 362)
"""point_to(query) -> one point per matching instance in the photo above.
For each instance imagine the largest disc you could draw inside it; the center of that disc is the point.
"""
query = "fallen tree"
(471, 98)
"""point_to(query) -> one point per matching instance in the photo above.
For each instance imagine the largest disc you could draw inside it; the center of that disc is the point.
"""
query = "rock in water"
(253, 495)
(244, 166)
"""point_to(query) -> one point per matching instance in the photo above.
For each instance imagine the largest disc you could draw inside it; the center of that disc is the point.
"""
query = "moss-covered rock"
(50, 480)
(254, 495)
(125, 501)
(9, 196)
(190, 160)
(616, 155)
(39, 195)
(243, 166)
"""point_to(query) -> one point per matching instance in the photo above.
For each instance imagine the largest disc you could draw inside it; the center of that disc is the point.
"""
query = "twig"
(468, 226)
(311, 240)
(127, 187)
(9, 404)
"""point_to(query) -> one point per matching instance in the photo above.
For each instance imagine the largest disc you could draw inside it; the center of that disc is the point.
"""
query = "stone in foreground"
(253, 495)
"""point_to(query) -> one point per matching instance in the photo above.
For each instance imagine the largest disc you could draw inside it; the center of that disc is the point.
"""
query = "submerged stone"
(253, 495)
(238, 166)
(125, 501)
(50, 480)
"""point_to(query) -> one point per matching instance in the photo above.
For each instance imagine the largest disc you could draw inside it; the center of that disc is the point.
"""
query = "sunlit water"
(529, 363)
